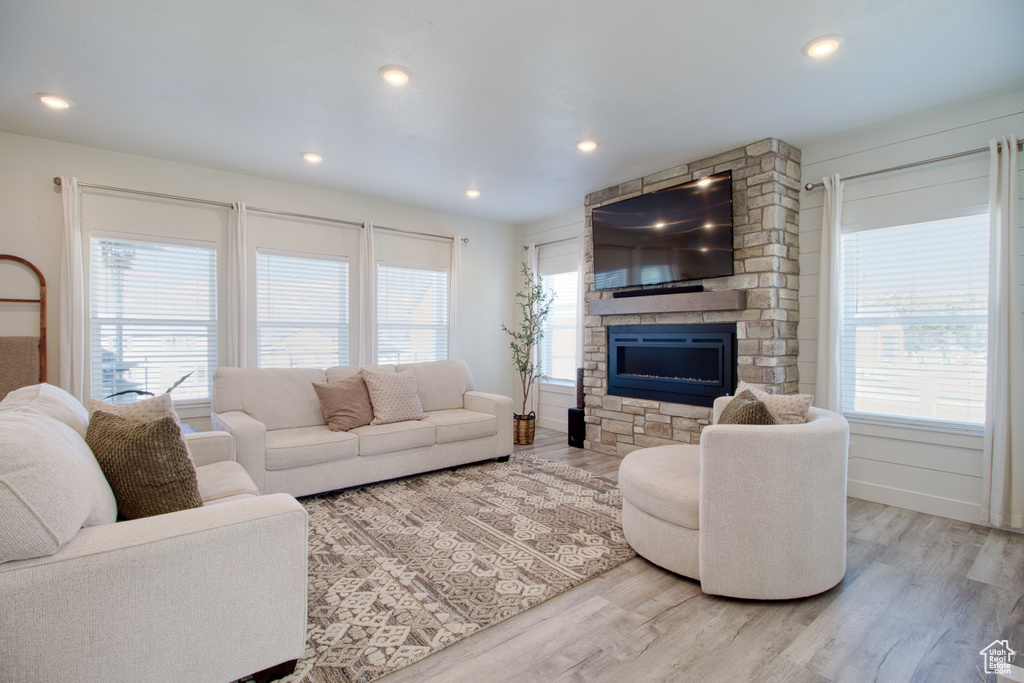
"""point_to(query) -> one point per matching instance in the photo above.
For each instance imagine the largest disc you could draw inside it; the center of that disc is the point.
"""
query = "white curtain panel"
(1003, 452)
(237, 320)
(533, 261)
(828, 387)
(367, 298)
(71, 304)
(455, 301)
(581, 300)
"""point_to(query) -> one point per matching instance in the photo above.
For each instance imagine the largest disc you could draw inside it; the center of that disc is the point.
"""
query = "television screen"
(677, 234)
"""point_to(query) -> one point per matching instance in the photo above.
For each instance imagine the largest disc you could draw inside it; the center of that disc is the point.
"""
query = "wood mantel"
(725, 300)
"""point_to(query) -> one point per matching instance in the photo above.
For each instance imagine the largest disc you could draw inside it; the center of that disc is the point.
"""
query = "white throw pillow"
(393, 396)
(50, 486)
(147, 410)
(47, 399)
(787, 408)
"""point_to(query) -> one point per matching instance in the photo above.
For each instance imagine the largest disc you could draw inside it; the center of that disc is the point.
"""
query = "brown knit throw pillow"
(746, 409)
(145, 463)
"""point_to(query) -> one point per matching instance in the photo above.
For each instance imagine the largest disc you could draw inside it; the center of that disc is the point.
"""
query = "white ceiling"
(501, 91)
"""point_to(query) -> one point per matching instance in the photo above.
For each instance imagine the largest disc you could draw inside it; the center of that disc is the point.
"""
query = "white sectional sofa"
(212, 593)
(282, 439)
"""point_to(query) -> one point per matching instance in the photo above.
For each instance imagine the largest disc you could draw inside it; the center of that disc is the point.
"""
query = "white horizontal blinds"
(914, 321)
(557, 266)
(412, 313)
(153, 317)
(301, 310)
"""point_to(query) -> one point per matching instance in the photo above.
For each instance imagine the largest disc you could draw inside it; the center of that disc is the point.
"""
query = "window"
(301, 310)
(412, 314)
(914, 321)
(153, 317)
(558, 345)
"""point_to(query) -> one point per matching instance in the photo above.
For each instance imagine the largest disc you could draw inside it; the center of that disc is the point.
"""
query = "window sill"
(961, 436)
(558, 386)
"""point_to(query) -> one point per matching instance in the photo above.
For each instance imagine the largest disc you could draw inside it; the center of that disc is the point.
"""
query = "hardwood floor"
(921, 597)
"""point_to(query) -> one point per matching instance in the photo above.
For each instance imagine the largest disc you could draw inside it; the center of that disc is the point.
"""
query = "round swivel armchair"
(752, 512)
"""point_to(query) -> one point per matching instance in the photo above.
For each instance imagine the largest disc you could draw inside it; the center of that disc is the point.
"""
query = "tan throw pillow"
(146, 410)
(393, 396)
(146, 464)
(788, 409)
(345, 404)
(745, 409)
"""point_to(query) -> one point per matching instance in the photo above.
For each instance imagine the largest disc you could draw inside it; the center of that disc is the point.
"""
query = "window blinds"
(412, 313)
(913, 321)
(301, 310)
(153, 317)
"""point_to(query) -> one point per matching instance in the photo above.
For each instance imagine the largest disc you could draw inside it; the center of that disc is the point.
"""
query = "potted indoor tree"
(535, 304)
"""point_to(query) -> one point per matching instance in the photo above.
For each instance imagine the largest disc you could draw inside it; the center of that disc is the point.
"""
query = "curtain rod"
(209, 202)
(548, 244)
(813, 186)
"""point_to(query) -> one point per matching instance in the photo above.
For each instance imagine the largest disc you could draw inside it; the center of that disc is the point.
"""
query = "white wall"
(554, 399)
(924, 470)
(31, 225)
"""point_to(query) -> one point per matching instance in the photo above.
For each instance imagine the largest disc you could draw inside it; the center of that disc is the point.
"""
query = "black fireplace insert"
(690, 364)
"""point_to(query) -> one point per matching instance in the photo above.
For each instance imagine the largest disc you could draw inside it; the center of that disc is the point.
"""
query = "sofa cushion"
(461, 425)
(223, 479)
(49, 400)
(345, 404)
(280, 398)
(144, 410)
(393, 396)
(745, 409)
(50, 486)
(440, 384)
(396, 436)
(787, 408)
(341, 372)
(664, 481)
(146, 463)
(303, 446)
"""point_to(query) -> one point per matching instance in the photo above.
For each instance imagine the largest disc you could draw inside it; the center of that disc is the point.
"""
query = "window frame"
(379, 326)
(188, 407)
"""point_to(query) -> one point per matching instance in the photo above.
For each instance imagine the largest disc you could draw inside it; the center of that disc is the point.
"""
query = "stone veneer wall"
(766, 203)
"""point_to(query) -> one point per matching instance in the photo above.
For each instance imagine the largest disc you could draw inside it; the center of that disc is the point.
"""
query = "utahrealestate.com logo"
(998, 657)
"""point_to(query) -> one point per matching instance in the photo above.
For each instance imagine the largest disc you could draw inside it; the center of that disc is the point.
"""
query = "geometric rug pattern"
(401, 569)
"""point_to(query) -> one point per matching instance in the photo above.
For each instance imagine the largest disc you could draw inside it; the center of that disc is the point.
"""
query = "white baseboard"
(918, 502)
(557, 425)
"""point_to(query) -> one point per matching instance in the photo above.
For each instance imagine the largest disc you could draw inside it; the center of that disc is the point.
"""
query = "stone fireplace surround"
(760, 297)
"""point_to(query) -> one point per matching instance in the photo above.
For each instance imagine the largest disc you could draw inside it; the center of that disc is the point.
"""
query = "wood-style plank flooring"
(922, 596)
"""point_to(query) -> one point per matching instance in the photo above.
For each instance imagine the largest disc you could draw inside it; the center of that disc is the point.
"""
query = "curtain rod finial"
(465, 240)
(56, 181)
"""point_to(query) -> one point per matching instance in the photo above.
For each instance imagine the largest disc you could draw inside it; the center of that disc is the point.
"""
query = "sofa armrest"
(250, 437)
(497, 405)
(207, 594)
(772, 505)
(210, 447)
(494, 404)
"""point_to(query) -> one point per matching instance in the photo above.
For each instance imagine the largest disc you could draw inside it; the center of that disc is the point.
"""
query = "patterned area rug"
(401, 569)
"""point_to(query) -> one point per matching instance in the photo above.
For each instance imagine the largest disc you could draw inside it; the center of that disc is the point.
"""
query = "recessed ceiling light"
(312, 157)
(659, 225)
(586, 145)
(473, 193)
(54, 102)
(823, 45)
(395, 75)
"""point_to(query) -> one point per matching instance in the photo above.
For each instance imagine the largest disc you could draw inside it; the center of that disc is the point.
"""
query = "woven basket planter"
(524, 428)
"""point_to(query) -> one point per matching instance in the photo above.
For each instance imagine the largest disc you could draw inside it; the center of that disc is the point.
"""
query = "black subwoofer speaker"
(577, 428)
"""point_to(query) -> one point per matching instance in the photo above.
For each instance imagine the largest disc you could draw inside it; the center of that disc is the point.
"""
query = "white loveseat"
(213, 593)
(282, 439)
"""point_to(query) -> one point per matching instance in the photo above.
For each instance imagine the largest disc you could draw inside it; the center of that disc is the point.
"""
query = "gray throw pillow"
(746, 409)
(345, 404)
(145, 463)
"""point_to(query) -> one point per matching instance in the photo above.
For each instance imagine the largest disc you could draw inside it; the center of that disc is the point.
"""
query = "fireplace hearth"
(691, 364)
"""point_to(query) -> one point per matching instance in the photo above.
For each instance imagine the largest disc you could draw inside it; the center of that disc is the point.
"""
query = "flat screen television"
(678, 234)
